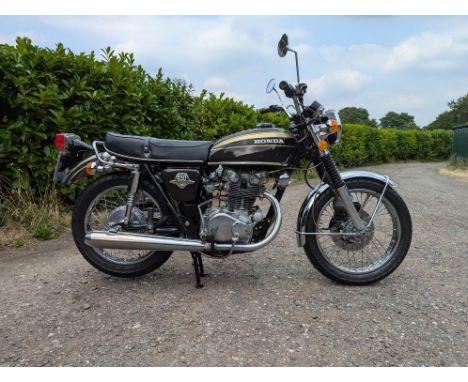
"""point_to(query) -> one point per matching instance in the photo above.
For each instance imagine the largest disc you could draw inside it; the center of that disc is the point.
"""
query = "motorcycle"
(155, 196)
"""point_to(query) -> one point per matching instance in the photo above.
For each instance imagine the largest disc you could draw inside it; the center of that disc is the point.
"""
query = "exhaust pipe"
(125, 240)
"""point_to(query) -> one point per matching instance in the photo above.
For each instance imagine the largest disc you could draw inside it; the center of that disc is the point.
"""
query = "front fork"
(340, 189)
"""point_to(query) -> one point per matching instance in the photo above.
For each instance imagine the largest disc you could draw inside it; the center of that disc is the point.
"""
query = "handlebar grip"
(288, 89)
(283, 85)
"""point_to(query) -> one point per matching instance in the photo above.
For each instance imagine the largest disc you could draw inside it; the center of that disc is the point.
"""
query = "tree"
(398, 121)
(356, 115)
(457, 115)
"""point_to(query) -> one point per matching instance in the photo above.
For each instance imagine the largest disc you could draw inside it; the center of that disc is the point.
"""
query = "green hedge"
(362, 145)
(45, 91)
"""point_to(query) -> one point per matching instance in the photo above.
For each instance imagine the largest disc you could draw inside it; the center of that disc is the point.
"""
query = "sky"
(383, 63)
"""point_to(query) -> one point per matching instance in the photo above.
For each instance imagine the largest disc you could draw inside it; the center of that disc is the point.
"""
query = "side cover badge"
(182, 180)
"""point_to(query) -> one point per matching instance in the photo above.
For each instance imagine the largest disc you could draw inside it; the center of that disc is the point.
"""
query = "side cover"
(182, 183)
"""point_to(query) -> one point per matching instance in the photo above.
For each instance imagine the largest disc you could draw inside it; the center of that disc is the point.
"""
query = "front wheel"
(365, 259)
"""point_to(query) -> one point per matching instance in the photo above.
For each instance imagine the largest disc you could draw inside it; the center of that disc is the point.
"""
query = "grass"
(43, 232)
(457, 166)
(458, 162)
(18, 243)
(25, 216)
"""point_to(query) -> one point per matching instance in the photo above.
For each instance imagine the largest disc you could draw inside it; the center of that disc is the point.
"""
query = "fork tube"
(330, 167)
(132, 189)
(339, 186)
(350, 208)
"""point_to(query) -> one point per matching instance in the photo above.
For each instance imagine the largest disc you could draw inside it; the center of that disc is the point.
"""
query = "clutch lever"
(271, 109)
(275, 109)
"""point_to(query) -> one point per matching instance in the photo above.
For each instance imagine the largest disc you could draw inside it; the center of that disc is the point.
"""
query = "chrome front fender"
(77, 172)
(322, 187)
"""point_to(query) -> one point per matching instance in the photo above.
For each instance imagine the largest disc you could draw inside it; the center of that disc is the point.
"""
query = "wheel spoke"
(360, 254)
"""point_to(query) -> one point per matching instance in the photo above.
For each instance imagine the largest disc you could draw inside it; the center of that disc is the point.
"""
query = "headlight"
(334, 127)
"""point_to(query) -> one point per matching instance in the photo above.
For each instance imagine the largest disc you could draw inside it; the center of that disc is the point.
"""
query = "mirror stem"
(297, 64)
(281, 102)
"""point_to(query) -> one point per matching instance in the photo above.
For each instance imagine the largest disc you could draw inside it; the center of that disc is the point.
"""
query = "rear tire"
(92, 255)
(316, 252)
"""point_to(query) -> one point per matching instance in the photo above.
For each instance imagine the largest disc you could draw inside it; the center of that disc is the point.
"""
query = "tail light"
(60, 141)
(63, 141)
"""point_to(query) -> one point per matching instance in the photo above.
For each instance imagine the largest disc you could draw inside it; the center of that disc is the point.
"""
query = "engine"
(232, 215)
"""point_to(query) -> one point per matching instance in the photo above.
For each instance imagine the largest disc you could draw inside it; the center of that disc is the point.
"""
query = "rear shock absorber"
(132, 189)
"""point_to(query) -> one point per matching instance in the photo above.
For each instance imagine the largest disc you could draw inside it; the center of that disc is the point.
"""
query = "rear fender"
(78, 172)
(70, 160)
(322, 187)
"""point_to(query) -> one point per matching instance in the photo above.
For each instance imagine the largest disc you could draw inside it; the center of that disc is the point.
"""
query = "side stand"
(198, 267)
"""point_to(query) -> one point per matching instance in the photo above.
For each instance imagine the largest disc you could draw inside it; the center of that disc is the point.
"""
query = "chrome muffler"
(125, 240)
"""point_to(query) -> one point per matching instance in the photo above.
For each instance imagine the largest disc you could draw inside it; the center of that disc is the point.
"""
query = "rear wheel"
(101, 206)
(359, 259)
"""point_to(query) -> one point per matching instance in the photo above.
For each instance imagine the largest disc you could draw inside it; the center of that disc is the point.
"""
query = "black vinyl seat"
(154, 149)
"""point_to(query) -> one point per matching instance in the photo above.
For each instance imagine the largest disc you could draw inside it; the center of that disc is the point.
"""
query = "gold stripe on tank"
(266, 135)
(257, 146)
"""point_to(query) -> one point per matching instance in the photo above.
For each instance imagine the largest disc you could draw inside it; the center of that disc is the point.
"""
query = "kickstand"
(198, 267)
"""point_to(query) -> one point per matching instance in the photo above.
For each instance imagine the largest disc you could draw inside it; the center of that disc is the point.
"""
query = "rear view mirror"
(270, 86)
(283, 45)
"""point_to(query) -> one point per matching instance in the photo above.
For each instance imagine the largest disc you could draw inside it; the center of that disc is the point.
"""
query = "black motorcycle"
(155, 196)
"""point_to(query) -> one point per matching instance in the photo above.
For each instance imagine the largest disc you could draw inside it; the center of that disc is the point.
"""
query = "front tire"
(363, 260)
(100, 258)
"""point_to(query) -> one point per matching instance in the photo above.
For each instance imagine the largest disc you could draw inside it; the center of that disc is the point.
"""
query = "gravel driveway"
(270, 308)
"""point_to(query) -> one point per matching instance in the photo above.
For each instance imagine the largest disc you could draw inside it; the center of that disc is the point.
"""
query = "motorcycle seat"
(155, 149)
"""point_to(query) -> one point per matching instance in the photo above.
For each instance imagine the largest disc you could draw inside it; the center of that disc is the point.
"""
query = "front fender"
(78, 171)
(322, 187)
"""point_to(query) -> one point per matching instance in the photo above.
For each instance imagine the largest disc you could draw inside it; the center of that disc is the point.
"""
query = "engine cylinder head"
(242, 196)
(244, 188)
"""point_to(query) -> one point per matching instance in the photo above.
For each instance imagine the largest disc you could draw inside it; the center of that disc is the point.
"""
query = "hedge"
(362, 145)
(44, 91)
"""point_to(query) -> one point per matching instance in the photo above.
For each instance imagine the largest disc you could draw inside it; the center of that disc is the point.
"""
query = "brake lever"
(269, 109)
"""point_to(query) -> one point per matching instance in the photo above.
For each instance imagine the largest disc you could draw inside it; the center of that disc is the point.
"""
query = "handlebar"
(291, 90)
(271, 109)
(297, 94)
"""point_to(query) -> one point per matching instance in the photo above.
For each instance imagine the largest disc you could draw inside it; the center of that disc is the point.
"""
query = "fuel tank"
(262, 147)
